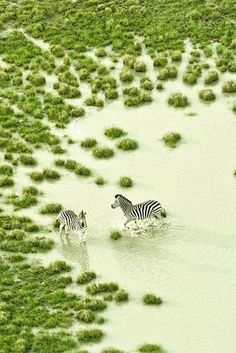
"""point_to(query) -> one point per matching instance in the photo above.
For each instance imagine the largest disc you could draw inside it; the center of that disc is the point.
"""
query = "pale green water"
(190, 259)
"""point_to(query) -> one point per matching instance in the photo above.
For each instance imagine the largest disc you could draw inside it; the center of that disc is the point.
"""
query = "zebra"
(140, 211)
(69, 220)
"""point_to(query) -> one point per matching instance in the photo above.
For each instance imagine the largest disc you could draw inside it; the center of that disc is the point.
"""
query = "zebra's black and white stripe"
(69, 220)
(140, 211)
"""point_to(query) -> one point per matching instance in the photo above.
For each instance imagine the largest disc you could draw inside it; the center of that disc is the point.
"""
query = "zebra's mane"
(119, 195)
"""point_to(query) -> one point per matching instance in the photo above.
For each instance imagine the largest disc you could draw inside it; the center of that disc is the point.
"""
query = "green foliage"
(100, 288)
(172, 139)
(36, 176)
(178, 100)
(27, 160)
(127, 144)
(126, 75)
(86, 277)
(125, 182)
(6, 169)
(103, 152)
(86, 316)
(229, 87)
(100, 181)
(89, 142)
(90, 336)
(111, 350)
(115, 234)
(207, 95)
(114, 132)
(50, 174)
(94, 101)
(6, 181)
(152, 299)
(51, 208)
(150, 348)
(212, 77)
(160, 61)
(140, 66)
(36, 79)
(167, 72)
(121, 296)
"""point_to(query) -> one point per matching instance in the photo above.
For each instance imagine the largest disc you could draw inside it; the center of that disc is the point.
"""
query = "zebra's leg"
(127, 221)
(61, 228)
(66, 229)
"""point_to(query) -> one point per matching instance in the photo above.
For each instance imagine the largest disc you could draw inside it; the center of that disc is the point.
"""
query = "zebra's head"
(82, 221)
(119, 200)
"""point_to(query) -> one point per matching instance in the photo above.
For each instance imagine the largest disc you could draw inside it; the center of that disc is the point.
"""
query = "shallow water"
(188, 259)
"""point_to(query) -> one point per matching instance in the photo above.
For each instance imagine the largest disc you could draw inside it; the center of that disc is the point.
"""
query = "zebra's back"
(69, 218)
(146, 209)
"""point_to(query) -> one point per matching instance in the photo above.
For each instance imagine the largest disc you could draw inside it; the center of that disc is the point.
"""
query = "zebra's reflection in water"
(74, 250)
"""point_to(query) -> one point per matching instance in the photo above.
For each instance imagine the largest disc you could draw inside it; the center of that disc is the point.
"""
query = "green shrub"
(36, 79)
(125, 182)
(207, 95)
(208, 51)
(51, 208)
(6, 181)
(152, 299)
(121, 296)
(178, 100)
(212, 77)
(167, 72)
(176, 55)
(172, 139)
(90, 336)
(82, 170)
(159, 86)
(70, 164)
(190, 78)
(6, 169)
(114, 132)
(234, 108)
(103, 152)
(115, 234)
(111, 350)
(140, 66)
(27, 160)
(146, 83)
(86, 277)
(127, 144)
(94, 101)
(126, 75)
(111, 93)
(57, 149)
(86, 315)
(50, 174)
(150, 348)
(160, 60)
(59, 162)
(229, 87)
(100, 288)
(89, 142)
(36, 176)
(100, 181)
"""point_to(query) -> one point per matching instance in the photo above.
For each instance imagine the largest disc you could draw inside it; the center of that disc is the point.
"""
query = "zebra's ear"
(117, 195)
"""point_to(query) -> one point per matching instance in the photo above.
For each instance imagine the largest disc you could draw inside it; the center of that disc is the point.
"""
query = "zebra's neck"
(126, 206)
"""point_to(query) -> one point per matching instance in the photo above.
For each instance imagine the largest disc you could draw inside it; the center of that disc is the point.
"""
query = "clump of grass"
(114, 132)
(100, 181)
(234, 107)
(212, 77)
(127, 144)
(36, 79)
(160, 61)
(140, 66)
(50, 174)
(121, 296)
(100, 288)
(59, 162)
(229, 87)
(89, 142)
(36, 176)
(178, 100)
(159, 86)
(146, 83)
(57, 149)
(125, 182)
(70, 164)
(58, 267)
(126, 75)
(150, 348)
(111, 350)
(81, 170)
(176, 55)
(51, 208)
(94, 101)
(86, 315)
(152, 299)
(86, 277)
(207, 95)
(115, 234)
(167, 72)
(6, 169)
(27, 160)
(103, 152)
(90, 336)
(111, 93)
(6, 181)
(172, 139)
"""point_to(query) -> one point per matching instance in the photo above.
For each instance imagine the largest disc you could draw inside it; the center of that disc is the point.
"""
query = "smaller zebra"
(69, 220)
(139, 211)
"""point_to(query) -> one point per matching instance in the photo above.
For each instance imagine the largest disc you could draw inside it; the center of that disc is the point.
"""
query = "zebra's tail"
(163, 213)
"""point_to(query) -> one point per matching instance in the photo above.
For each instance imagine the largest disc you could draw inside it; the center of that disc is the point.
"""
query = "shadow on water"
(74, 250)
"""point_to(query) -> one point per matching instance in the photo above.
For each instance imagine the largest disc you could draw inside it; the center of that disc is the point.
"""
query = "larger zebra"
(69, 220)
(139, 211)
